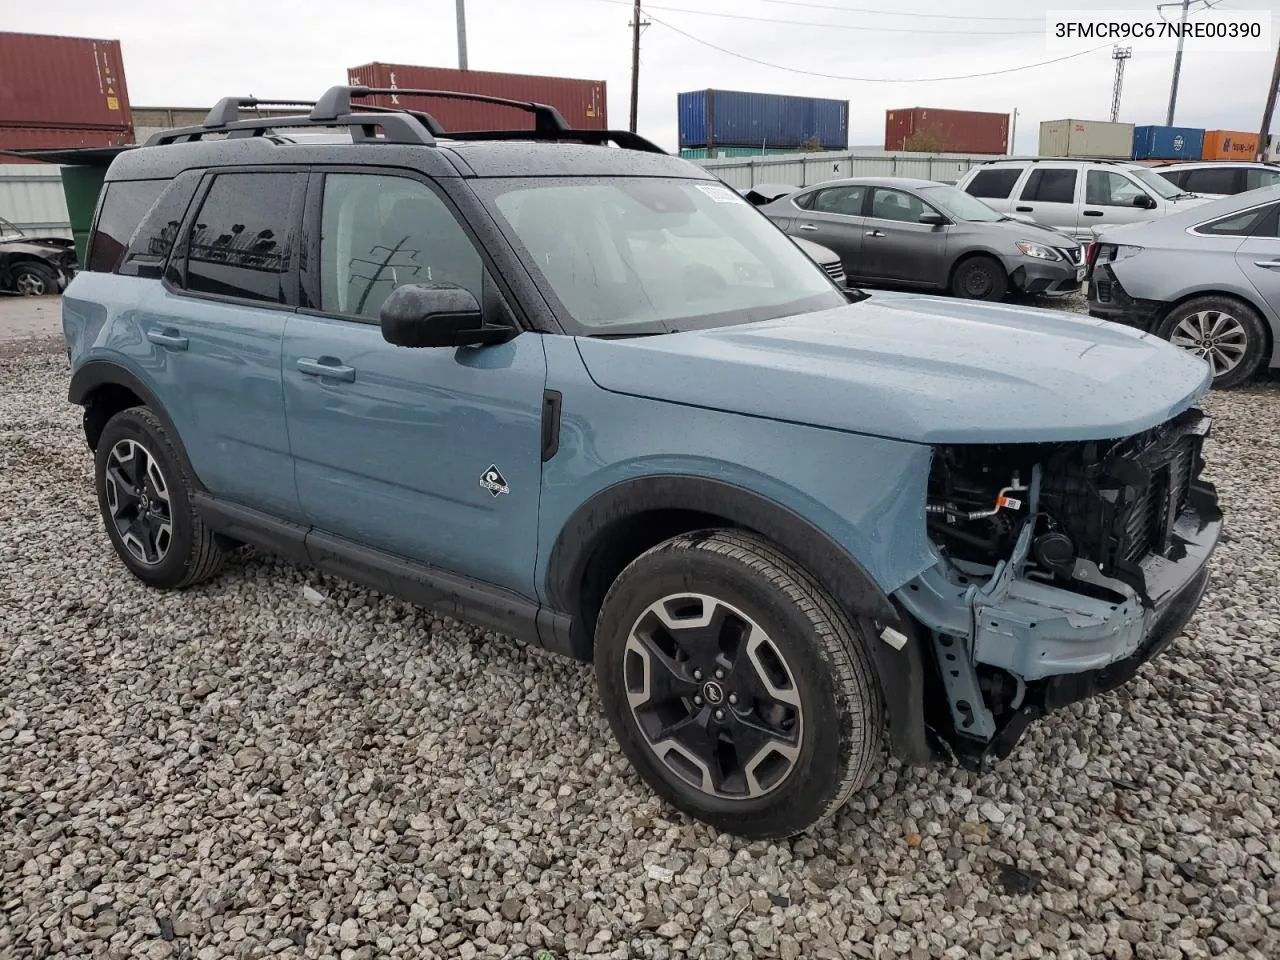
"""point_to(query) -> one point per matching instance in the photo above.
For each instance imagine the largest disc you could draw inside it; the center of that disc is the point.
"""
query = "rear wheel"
(736, 687)
(980, 278)
(34, 279)
(1225, 333)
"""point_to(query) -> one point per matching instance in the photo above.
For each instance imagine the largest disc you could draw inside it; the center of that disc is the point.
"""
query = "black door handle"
(1093, 213)
(1023, 209)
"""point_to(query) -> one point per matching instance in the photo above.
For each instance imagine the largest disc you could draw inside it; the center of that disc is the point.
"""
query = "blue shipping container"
(1167, 143)
(727, 118)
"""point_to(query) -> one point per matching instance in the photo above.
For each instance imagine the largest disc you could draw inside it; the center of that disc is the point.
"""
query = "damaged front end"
(1062, 567)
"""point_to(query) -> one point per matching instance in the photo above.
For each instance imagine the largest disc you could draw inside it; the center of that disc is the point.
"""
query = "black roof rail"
(1038, 159)
(227, 110)
(623, 138)
(396, 126)
(337, 101)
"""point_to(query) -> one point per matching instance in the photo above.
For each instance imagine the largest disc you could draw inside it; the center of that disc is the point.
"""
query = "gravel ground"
(281, 763)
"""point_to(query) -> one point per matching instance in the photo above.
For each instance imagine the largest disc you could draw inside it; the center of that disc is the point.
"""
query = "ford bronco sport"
(589, 396)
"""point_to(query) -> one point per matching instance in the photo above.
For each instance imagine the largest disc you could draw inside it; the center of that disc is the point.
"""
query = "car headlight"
(1029, 249)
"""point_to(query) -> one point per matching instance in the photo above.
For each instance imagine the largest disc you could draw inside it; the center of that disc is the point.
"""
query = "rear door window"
(1261, 177)
(124, 204)
(242, 240)
(1212, 180)
(994, 184)
(1051, 186)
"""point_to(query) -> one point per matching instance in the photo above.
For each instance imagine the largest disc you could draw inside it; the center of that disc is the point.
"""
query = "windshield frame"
(488, 190)
(1152, 182)
(930, 192)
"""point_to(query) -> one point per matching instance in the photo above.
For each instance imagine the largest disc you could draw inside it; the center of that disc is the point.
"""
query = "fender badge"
(493, 481)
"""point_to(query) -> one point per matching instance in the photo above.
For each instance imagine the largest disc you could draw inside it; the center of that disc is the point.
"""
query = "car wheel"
(1225, 333)
(736, 686)
(145, 499)
(980, 278)
(34, 279)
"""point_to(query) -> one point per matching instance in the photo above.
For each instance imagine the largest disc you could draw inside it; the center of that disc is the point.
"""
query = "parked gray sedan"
(919, 233)
(1207, 280)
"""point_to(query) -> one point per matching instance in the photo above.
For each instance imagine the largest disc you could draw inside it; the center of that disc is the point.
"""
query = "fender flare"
(100, 373)
(900, 673)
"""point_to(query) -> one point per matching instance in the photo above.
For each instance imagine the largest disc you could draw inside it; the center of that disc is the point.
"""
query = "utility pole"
(635, 63)
(1013, 133)
(1177, 63)
(462, 34)
(1120, 55)
(1269, 109)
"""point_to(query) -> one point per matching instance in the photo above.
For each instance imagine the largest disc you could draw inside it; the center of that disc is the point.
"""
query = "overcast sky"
(180, 53)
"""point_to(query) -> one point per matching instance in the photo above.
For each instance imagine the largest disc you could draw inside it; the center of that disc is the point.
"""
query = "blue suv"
(589, 396)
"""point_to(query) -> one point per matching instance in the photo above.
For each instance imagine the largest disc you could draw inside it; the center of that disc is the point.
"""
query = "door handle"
(1269, 264)
(1023, 209)
(1093, 213)
(168, 337)
(330, 368)
(874, 233)
(807, 227)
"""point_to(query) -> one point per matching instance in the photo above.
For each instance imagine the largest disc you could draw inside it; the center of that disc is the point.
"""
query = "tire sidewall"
(130, 425)
(47, 275)
(992, 270)
(1248, 319)
(806, 794)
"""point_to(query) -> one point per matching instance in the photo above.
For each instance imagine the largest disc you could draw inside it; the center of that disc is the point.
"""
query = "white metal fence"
(31, 198)
(802, 170)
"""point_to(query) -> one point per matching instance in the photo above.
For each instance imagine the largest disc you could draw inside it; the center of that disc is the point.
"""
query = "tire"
(791, 663)
(980, 278)
(1237, 328)
(137, 515)
(31, 279)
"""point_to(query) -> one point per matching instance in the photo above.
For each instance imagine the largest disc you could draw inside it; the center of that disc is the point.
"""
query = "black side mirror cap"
(437, 315)
(934, 219)
(1144, 201)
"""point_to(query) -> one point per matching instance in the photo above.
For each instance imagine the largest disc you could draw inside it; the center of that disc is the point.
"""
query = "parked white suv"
(1215, 179)
(1075, 196)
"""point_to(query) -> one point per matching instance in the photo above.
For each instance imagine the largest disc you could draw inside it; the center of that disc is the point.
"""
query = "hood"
(1030, 230)
(916, 368)
(816, 251)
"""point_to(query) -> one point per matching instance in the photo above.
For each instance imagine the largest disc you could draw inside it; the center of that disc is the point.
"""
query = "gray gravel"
(279, 763)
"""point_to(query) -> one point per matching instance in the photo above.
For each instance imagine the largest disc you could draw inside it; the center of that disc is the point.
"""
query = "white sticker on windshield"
(720, 194)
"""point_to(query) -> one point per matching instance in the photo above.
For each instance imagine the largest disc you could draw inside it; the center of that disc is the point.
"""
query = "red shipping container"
(57, 138)
(580, 102)
(946, 131)
(48, 81)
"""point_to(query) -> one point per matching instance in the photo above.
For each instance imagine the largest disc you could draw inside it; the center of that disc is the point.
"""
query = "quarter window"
(1247, 224)
(1051, 186)
(1103, 188)
(379, 232)
(154, 239)
(1260, 177)
(242, 238)
(994, 184)
(124, 204)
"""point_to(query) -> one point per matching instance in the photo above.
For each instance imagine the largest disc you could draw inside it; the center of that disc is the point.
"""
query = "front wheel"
(980, 278)
(1225, 333)
(736, 686)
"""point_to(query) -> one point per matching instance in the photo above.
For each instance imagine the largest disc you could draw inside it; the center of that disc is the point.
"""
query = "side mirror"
(1144, 201)
(934, 219)
(437, 315)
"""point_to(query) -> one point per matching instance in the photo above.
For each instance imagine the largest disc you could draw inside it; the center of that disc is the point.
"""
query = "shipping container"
(927, 130)
(730, 118)
(48, 81)
(580, 102)
(1229, 145)
(57, 138)
(1167, 143)
(701, 153)
(1086, 138)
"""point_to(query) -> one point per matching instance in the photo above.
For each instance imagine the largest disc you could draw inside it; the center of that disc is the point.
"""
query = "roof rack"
(1052, 160)
(397, 125)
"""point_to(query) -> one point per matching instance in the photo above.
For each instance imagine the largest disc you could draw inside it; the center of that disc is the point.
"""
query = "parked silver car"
(1207, 280)
(919, 233)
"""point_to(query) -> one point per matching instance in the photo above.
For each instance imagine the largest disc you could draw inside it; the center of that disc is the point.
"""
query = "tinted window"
(1261, 177)
(997, 184)
(124, 204)
(1212, 180)
(845, 200)
(1177, 177)
(895, 205)
(1051, 186)
(1103, 188)
(241, 240)
(380, 232)
(154, 239)
(1242, 224)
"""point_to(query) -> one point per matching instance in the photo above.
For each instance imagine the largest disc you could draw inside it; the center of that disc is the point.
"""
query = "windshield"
(633, 255)
(959, 205)
(8, 231)
(1155, 183)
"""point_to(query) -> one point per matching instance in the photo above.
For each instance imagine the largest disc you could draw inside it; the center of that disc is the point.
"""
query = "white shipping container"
(804, 170)
(31, 198)
(1086, 138)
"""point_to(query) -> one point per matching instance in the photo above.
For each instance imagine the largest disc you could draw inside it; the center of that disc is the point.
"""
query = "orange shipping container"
(1229, 145)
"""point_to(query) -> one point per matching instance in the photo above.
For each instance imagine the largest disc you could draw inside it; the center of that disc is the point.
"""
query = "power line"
(834, 26)
(832, 76)
(896, 13)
